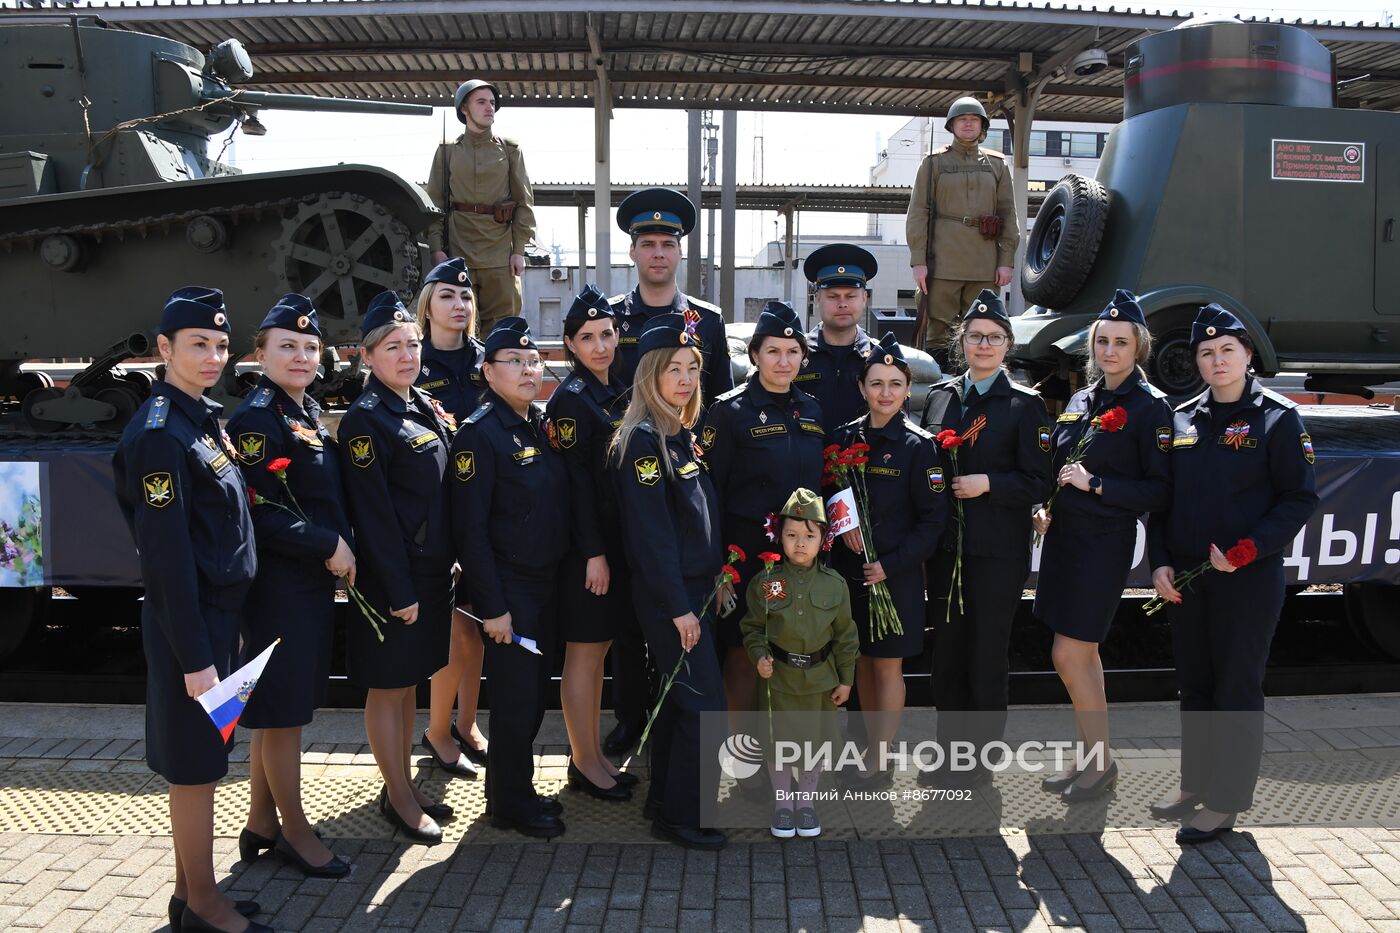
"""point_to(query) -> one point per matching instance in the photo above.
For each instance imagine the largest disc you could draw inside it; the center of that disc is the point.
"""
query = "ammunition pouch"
(989, 225)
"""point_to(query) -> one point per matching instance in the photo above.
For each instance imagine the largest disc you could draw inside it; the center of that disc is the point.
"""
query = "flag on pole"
(225, 701)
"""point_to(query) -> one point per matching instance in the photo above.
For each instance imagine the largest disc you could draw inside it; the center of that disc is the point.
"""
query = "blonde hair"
(647, 403)
(425, 298)
(1143, 336)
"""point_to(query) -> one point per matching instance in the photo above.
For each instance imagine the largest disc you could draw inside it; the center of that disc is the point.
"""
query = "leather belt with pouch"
(800, 661)
(989, 225)
(503, 212)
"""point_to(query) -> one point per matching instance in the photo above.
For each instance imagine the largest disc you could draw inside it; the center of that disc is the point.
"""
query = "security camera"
(1089, 62)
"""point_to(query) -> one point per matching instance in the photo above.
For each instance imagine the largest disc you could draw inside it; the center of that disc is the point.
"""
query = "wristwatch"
(1095, 482)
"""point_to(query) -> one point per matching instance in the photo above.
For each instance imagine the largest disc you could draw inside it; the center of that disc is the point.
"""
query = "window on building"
(1037, 142)
(1084, 145)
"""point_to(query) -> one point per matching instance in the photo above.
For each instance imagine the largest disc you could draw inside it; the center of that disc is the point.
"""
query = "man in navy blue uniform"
(840, 273)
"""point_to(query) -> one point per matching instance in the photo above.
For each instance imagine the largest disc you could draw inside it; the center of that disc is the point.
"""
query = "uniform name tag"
(527, 454)
(218, 462)
(807, 377)
(882, 471)
(687, 470)
(1069, 416)
(768, 429)
(423, 439)
(811, 426)
(1186, 440)
(435, 384)
(626, 341)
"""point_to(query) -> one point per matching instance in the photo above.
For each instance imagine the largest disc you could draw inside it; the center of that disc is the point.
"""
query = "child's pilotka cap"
(806, 506)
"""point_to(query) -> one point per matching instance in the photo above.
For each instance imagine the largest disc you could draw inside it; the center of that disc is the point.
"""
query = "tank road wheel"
(1064, 241)
(1173, 364)
(340, 250)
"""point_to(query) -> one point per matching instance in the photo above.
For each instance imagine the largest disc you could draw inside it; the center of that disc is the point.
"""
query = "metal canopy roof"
(863, 56)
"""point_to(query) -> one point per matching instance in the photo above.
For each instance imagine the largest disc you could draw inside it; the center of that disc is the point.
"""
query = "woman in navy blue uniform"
(761, 441)
(293, 597)
(510, 523)
(1091, 531)
(594, 590)
(451, 374)
(393, 445)
(1002, 470)
(187, 507)
(670, 530)
(1242, 468)
(908, 505)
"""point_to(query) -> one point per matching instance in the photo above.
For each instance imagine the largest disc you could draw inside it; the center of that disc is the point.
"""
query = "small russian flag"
(224, 702)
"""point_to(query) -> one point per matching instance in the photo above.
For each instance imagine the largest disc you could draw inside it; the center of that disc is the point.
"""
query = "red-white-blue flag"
(226, 700)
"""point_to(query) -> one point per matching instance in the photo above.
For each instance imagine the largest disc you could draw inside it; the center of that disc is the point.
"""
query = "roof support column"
(602, 163)
(1022, 116)
(787, 259)
(728, 206)
(695, 244)
(583, 278)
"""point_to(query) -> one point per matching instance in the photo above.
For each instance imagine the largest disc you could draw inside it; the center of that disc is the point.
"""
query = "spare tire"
(1064, 241)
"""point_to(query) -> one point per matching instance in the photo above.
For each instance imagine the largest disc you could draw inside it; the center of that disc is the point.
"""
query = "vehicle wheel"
(1373, 612)
(1064, 241)
(1173, 364)
(21, 609)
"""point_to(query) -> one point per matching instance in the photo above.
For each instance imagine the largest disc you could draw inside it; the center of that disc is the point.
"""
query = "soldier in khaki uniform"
(479, 182)
(974, 225)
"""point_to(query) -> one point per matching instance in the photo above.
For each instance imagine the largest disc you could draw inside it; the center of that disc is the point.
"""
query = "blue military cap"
(384, 308)
(510, 333)
(656, 210)
(777, 319)
(665, 332)
(452, 271)
(1123, 307)
(887, 351)
(1214, 321)
(840, 265)
(194, 306)
(987, 305)
(590, 305)
(293, 312)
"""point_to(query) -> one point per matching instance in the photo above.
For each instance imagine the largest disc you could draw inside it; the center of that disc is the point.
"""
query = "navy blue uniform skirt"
(182, 743)
(293, 601)
(409, 654)
(907, 591)
(584, 617)
(1084, 563)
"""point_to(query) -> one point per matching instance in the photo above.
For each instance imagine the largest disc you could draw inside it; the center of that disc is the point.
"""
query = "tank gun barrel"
(275, 101)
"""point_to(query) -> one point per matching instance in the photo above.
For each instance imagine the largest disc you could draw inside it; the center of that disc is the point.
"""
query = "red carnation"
(830, 450)
(860, 447)
(949, 439)
(253, 497)
(279, 465)
(731, 573)
(769, 558)
(1114, 419)
(1244, 552)
(736, 554)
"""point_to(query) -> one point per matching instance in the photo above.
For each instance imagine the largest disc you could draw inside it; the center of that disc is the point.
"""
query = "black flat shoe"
(1057, 782)
(1183, 807)
(177, 907)
(451, 767)
(426, 836)
(476, 756)
(626, 779)
(579, 781)
(1191, 836)
(540, 826)
(191, 922)
(688, 837)
(251, 845)
(1080, 793)
(335, 868)
(622, 738)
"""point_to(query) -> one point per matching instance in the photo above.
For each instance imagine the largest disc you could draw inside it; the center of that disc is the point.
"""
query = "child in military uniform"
(799, 632)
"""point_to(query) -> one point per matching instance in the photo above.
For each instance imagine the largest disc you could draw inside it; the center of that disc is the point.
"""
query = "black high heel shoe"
(578, 781)
(1057, 782)
(251, 845)
(440, 812)
(335, 868)
(426, 836)
(191, 922)
(626, 779)
(467, 770)
(475, 755)
(1191, 836)
(1080, 793)
(177, 908)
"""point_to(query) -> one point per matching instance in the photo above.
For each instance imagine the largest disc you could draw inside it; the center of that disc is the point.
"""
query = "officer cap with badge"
(887, 351)
(510, 333)
(656, 210)
(590, 305)
(777, 319)
(450, 272)
(665, 332)
(384, 308)
(295, 313)
(805, 506)
(987, 306)
(1214, 321)
(194, 306)
(1124, 307)
(840, 265)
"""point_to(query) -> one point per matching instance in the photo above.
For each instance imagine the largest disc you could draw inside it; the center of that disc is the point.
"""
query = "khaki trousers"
(948, 302)
(497, 295)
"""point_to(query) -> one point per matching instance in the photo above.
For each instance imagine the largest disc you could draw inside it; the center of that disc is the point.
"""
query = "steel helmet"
(963, 106)
(464, 91)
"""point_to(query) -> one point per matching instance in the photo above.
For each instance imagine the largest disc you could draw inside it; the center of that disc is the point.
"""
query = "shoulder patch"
(261, 398)
(1153, 390)
(464, 464)
(158, 489)
(1306, 440)
(618, 299)
(158, 412)
(917, 431)
(1281, 400)
(646, 425)
(707, 437)
(361, 451)
(1044, 435)
(575, 384)
(732, 393)
(1164, 438)
(1191, 402)
(480, 412)
(648, 470)
(699, 305)
(252, 447)
(368, 400)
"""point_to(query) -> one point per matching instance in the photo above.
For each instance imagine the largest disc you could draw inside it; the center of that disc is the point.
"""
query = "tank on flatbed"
(110, 198)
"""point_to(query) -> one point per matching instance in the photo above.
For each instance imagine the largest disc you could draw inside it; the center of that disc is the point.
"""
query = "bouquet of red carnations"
(1243, 553)
(845, 469)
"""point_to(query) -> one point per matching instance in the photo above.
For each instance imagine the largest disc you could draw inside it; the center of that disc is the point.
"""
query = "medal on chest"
(1237, 435)
(774, 589)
